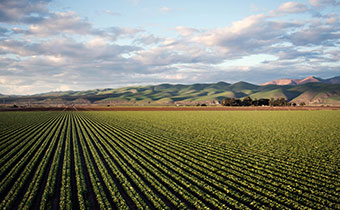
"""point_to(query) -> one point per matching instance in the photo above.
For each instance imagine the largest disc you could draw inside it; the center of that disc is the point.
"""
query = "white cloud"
(109, 12)
(23, 11)
(186, 31)
(71, 24)
(179, 76)
(316, 35)
(320, 3)
(57, 49)
(165, 9)
(62, 22)
(148, 39)
(253, 34)
(122, 32)
(292, 7)
(247, 23)
(19, 48)
(332, 19)
(63, 88)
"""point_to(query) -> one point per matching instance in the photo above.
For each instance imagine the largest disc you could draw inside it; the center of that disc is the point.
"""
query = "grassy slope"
(167, 93)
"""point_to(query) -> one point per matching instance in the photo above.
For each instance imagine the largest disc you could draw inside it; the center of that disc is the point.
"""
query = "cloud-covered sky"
(56, 45)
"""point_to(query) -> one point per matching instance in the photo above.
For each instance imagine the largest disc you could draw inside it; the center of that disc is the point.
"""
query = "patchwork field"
(170, 160)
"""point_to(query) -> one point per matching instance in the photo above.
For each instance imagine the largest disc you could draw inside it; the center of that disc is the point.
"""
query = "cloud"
(59, 23)
(92, 50)
(169, 54)
(70, 23)
(123, 31)
(42, 50)
(3, 32)
(320, 3)
(292, 7)
(186, 31)
(292, 54)
(109, 12)
(254, 34)
(148, 39)
(19, 48)
(165, 9)
(23, 11)
(332, 18)
(316, 35)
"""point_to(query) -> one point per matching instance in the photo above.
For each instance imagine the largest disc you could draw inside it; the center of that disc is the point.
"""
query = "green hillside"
(310, 93)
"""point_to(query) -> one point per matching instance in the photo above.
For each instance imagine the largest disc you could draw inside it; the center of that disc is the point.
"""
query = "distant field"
(170, 160)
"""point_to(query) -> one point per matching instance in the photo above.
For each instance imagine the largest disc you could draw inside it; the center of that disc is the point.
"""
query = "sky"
(58, 45)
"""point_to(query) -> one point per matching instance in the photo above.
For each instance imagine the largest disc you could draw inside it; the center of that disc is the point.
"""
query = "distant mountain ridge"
(333, 80)
(312, 93)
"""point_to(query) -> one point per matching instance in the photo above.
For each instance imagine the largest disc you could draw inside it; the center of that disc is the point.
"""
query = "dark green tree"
(247, 101)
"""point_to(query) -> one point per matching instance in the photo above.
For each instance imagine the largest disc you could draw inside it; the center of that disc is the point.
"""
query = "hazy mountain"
(334, 80)
(309, 92)
(282, 82)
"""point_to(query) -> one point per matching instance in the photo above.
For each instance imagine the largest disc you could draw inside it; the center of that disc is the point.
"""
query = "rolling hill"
(310, 79)
(312, 93)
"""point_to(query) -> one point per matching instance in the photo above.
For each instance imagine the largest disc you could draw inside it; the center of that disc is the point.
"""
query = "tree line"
(247, 101)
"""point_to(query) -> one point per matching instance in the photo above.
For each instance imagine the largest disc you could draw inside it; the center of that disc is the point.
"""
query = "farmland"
(170, 160)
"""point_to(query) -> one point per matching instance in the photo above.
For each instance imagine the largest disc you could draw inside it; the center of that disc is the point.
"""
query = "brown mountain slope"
(282, 82)
(294, 81)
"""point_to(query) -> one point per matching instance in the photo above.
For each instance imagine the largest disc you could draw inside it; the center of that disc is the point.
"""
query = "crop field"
(170, 160)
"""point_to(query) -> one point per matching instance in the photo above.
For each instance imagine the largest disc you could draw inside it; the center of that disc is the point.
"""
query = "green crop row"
(170, 160)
